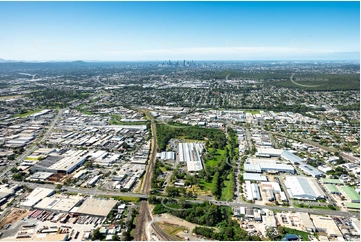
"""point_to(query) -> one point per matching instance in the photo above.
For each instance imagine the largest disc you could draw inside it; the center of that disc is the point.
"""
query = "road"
(52, 124)
(93, 192)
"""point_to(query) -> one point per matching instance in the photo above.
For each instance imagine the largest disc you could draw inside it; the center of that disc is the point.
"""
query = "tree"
(115, 238)
(58, 186)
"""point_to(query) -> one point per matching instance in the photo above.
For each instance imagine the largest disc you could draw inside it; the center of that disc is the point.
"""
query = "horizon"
(199, 31)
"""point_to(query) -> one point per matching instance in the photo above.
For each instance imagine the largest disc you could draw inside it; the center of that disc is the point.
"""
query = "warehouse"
(252, 191)
(309, 170)
(350, 194)
(170, 155)
(268, 152)
(69, 163)
(96, 207)
(36, 196)
(294, 159)
(274, 186)
(332, 189)
(306, 222)
(331, 181)
(326, 224)
(57, 204)
(65, 163)
(254, 177)
(304, 188)
(267, 165)
(189, 153)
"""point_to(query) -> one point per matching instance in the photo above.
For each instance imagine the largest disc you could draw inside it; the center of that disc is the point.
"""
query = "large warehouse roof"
(261, 165)
(189, 152)
(331, 181)
(332, 188)
(310, 170)
(97, 207)
(303, 188)
(351, 193)
(57, 203)
(291, 157)
(254, 177)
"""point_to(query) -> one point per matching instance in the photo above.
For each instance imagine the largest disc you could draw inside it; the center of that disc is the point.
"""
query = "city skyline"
(153, 31)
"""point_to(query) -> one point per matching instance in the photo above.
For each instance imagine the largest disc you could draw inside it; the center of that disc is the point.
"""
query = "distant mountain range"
(34, 61)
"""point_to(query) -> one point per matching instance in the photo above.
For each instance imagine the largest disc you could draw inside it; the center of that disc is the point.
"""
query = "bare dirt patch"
(172, 229)
(15, 215)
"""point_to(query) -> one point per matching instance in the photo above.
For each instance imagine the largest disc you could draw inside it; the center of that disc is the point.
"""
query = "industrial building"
(252, 191)
(189, 153)
(350, 194)
(294, 159)
(167, 155)
(267, 165)
(36, 196)
(95, 207)
(273, 186)
(254, 177)
(309, 170)
(304, 188)
(332, 189)
(326, 224)
(306, 222)
(269, 152)
(57, 204)
(65, 163)
(331, 181)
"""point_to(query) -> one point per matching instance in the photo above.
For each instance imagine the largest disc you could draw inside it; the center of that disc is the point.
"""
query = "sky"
(137, 31)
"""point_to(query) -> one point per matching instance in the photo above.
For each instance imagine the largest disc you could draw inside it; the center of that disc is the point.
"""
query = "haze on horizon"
(142, 31)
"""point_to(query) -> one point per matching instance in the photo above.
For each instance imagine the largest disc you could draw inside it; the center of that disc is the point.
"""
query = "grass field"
(22, 115)
(126, 199)
(304, 235)
(227, 192)
(8, 97)
(219, 154)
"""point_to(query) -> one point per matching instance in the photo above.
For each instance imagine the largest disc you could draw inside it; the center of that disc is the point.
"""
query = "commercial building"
(304, 188)
(189, 153)
(350, 194)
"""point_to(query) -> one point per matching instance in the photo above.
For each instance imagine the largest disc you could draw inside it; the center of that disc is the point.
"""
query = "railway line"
(144, 216)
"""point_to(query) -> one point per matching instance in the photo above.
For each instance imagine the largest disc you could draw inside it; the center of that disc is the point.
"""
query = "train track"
(163, 235)
(142, 219)
(144, 216)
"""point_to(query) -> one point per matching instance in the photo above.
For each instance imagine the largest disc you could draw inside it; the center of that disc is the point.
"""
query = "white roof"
(303, 187)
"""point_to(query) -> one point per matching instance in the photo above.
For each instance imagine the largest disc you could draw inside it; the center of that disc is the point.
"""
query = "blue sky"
(179, 30)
